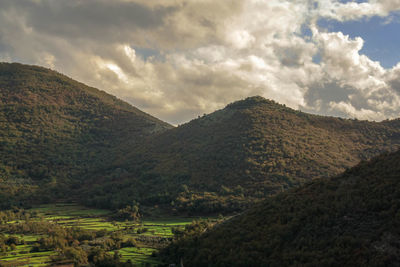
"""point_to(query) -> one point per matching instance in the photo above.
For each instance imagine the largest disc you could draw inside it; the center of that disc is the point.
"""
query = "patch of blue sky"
(305, 30)
(317, 58)
(146, 53)
(381, 36)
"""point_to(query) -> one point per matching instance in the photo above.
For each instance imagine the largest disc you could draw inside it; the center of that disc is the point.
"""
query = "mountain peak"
(254, 101)
(38, 86)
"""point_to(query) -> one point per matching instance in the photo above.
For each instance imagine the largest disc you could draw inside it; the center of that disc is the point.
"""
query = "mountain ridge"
(249, 150)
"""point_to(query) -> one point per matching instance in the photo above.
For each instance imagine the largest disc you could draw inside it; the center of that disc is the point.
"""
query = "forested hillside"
(63, 140)
(54, 131)
(349, 220)
(249, 150)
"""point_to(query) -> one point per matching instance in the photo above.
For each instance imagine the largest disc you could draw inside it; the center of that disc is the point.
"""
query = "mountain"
(247, 151)
(63, 140)
(349, 220)
(54, 130)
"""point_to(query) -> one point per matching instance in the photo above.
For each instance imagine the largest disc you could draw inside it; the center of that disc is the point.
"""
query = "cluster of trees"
(9, 243)
(177, 198)
(129, 213)
(229, 201)
(197, 227)
(16, 214)
(95, 256)
(16, 195)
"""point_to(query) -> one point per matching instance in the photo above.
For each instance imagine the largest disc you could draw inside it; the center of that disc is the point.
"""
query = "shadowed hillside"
(54, 130)
(350, 220)
(249, 150)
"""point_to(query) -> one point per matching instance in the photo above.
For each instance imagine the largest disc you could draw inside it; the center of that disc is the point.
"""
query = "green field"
(149, 234)
(138, 255)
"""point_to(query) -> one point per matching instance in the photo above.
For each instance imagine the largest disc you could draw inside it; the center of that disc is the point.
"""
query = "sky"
(177, 59)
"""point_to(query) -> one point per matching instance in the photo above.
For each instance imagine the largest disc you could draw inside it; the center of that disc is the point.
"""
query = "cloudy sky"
(177, 59)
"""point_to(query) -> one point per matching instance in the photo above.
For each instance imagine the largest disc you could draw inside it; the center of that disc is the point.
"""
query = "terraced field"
(138, 255)
(23, 257)
(149, 234)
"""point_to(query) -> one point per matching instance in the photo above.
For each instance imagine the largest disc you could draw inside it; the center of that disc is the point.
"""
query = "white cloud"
(352, 10)
(348, 108)
(341, 60)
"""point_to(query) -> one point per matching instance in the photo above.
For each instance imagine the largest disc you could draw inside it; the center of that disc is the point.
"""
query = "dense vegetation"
(349, 220)
(247, 151)
(62, 140)
(55, 131)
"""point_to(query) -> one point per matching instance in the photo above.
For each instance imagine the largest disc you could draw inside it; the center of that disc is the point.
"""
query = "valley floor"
(134, 242)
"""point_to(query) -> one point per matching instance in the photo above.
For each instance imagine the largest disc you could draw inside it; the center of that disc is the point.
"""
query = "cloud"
(349, 109)
(393, 78)
(177, 59)
(102, 21)
(351, 84)
(352, 10)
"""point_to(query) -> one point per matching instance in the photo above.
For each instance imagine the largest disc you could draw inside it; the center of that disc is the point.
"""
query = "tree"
(130, 213)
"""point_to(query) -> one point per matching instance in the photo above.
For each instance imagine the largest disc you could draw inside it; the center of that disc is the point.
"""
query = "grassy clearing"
(22, 256)
(138, 255)
(170, 221)
(26, 238)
